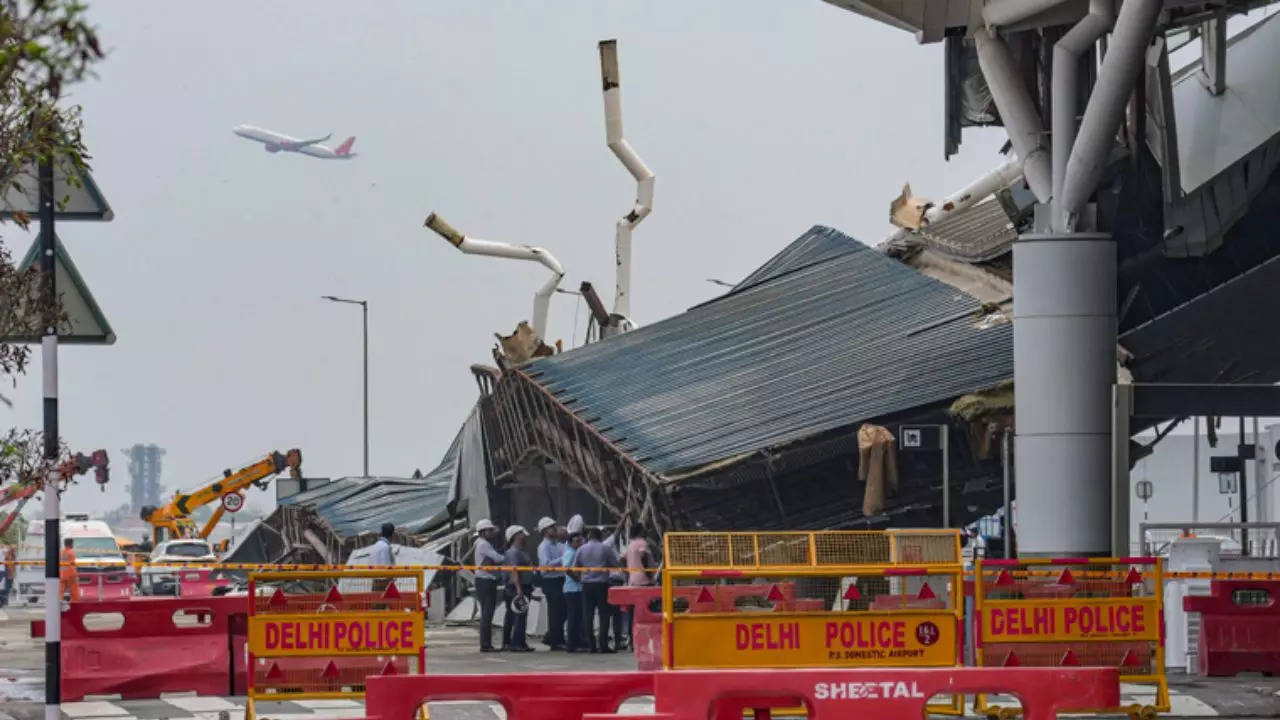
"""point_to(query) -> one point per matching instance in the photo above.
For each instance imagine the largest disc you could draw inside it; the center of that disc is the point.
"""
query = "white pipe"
(1021, 121)
(475, 246)
(1065, 91)
(980, 189)
(611, 79)
(1125, 51)
(1002, 13)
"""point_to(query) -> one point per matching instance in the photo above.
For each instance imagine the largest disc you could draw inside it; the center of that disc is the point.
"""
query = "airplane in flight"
(275, 142)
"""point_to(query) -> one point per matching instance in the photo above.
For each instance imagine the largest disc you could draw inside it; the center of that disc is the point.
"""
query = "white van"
(100, 565)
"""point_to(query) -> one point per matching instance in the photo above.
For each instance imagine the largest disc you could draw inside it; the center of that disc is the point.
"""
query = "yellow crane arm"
(259, 473)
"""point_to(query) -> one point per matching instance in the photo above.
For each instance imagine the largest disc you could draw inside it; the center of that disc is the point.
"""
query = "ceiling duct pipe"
(1125, 51)
(982, 187)
(1003, 13)
(474, 246)
(914, 213)
(1021, 121)
(1065, 93)
(641, 172)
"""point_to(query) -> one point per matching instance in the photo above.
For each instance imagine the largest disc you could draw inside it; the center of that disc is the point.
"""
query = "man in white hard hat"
(487, 580)
(518, 591)
(551, 554)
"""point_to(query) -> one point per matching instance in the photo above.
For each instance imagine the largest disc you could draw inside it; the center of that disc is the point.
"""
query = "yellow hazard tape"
(969, 575)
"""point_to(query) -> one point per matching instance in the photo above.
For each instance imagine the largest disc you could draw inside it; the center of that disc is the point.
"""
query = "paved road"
(453, 650)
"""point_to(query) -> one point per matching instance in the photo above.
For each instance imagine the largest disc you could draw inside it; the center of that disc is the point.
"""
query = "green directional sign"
(86, 325)
(75, 195)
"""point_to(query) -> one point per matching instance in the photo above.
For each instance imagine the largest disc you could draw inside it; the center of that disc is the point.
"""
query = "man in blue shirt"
(382, 555)
(551, 554)
(595, 586)
(574, 608)
(487, 580)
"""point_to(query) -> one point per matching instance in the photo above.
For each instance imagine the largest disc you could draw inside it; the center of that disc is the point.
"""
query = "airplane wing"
(305, 143)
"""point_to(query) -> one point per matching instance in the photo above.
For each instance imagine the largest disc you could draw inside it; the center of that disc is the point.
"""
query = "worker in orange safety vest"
(70, 585)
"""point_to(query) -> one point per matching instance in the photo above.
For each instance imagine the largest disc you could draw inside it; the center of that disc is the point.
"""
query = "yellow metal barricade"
(318, 634)
(814, 600)
(1074, 611)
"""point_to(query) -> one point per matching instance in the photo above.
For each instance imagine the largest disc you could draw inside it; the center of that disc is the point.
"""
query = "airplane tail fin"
(345, 147)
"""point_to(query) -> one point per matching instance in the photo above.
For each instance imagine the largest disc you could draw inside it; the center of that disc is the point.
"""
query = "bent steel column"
(1017, 111)
(1064, 337)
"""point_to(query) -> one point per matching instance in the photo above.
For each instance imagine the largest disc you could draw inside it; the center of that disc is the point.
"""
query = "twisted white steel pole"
(475, 246)
(611, 79)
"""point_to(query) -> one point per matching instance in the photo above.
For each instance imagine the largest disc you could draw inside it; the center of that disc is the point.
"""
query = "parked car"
(163, 573)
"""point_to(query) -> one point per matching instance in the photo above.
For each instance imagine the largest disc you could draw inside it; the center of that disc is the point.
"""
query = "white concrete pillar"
(1064, 349)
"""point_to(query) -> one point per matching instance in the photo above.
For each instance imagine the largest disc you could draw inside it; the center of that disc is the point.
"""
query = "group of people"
(577, 566)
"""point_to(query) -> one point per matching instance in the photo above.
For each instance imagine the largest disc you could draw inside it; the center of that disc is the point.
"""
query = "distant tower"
(144, 474)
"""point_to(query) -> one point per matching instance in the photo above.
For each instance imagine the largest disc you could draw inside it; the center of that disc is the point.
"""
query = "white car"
(164, 580)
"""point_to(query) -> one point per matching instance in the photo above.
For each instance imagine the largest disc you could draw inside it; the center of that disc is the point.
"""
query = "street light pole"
(364, 325)
(364, 316)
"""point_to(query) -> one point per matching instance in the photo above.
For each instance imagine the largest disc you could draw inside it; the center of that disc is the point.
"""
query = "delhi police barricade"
(1066, 612)
(308, 639)
(861, 599)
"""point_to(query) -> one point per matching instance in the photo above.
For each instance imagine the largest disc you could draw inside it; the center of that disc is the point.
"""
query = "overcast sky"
(760, 119)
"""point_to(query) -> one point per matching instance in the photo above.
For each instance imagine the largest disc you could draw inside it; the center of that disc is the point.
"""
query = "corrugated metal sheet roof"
(826, 334)
(355, 505)
(980, 233)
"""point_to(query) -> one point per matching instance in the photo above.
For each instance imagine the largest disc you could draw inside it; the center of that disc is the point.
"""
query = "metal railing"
(1260, 540)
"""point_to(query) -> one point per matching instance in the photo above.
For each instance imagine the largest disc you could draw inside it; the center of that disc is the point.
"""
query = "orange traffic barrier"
(829, 600)
(1070, 612)
(325, 644)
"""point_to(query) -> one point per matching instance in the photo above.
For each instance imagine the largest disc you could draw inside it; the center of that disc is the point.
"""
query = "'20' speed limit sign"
(232, 502)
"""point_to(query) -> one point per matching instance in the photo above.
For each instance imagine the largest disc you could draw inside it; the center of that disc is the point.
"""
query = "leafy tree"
(45, 45)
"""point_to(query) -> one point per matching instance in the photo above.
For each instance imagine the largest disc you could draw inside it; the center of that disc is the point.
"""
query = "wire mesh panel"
(1073, 612)
(747, 550)
(1257, 540)
(308, 639)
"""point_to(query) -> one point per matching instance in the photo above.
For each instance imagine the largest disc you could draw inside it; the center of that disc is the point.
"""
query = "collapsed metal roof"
(356, 505)
(826, 334)
(352, 506)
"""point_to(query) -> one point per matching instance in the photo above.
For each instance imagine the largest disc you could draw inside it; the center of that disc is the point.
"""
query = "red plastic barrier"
(150, 652)
(884, 694)
(1239, 627)
(646, 625)
(540, 696)
(114, 585)
(196, 582)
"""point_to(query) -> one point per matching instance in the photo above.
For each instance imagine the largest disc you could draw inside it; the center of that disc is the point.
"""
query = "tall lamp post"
(364, 311)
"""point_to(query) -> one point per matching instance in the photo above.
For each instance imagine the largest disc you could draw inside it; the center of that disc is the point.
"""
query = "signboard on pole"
(232, 502)
(75, 195)
(85, 323)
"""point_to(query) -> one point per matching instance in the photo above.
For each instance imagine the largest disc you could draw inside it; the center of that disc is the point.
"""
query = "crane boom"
(77, 464)
(176, 516)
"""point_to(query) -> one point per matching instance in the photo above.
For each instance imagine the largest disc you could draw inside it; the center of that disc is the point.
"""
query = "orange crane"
(174, 520)
(77, 464)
